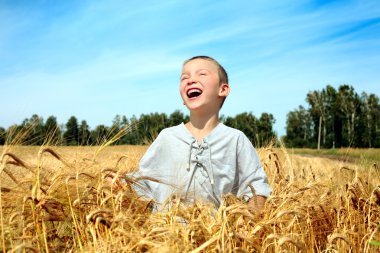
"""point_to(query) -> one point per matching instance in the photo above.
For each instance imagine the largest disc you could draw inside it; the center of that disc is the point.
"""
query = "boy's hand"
(111, 179)
(256, 203)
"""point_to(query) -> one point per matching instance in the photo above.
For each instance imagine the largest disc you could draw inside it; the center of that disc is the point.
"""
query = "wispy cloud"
(96, 59)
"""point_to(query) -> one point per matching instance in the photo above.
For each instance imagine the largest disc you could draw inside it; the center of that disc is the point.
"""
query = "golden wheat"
(57, 199)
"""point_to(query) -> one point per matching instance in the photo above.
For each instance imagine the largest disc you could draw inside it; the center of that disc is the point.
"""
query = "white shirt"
(225, 162)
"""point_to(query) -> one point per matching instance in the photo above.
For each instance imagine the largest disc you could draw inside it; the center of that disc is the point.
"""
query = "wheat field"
(72, 199)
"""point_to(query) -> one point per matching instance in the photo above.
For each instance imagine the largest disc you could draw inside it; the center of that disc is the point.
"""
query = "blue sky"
(96, 59)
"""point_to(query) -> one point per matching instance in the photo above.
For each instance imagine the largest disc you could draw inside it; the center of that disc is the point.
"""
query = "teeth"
(193, 91)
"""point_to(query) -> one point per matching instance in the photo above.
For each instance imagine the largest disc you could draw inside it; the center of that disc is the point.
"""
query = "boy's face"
(200, 86)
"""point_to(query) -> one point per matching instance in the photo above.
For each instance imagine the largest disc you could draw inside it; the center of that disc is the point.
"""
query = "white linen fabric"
(224, 162)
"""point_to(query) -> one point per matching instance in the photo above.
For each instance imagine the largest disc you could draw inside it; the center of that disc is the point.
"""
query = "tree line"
(335, 118)
(135, 131)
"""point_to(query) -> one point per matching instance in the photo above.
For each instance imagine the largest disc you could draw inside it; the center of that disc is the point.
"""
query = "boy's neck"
(201, 125)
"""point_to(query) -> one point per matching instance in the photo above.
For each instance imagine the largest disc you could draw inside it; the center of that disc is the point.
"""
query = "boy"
(203, 159)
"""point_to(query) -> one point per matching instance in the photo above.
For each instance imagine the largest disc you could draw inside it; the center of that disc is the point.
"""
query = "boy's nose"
(191, 81)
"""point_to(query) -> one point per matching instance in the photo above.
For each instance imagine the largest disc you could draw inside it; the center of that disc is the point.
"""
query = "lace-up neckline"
(202, 148)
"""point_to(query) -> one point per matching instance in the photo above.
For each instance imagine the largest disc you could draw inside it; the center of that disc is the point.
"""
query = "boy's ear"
(224, 90)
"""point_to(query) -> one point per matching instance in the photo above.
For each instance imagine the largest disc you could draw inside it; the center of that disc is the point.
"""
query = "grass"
(71, 199)
(369, 155)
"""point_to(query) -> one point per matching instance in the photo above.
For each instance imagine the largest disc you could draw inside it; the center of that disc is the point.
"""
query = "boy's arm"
(149, 166)
(253, 182)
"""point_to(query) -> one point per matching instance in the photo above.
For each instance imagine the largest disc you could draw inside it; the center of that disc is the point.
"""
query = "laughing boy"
(203, 159)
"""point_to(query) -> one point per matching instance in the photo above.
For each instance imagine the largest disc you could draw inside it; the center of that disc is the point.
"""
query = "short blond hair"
(222, 73)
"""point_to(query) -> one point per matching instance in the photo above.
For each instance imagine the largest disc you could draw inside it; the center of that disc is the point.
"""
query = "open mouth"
(193, 93)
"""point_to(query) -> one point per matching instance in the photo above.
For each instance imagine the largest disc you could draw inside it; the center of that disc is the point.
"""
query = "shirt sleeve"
(250, 170)
(149, 166)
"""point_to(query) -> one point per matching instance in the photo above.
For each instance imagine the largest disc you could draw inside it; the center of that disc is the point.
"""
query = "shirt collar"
(207, 138)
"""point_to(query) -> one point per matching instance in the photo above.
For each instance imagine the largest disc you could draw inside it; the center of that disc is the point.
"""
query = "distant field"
(105, 157)
(344, 154)
(136, 152)
(69, 199)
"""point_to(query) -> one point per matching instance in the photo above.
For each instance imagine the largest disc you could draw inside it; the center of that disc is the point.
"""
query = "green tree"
(348, 103)
(298, 128)
(176, 118)
(317, 101)
(151, 125)
(14, 135)
(133, 135)
(52, 130)
(116, 128)
(71, 135)
(374, 116)
(340, 118)
(124, 124)
(33, 129)
(329, 139)
(265, 129)
(100, 135)
(84, 134)
(116, 123)
(368, 133)
(247, 123)
(2, 136)
(124, 121)
(230, 121)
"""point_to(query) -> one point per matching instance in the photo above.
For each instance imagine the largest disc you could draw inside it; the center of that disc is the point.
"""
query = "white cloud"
(97, 59)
